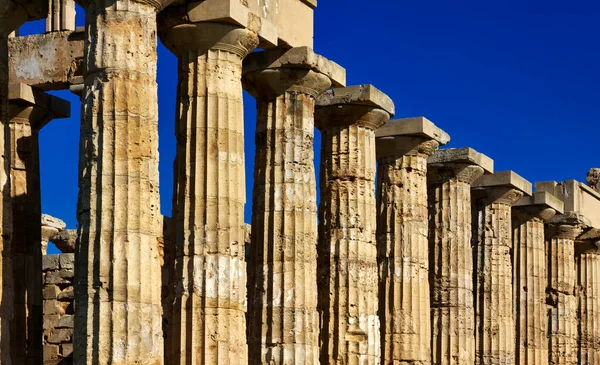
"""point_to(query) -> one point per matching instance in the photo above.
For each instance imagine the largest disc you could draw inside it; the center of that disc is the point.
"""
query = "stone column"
(282, 314)
(29, 111)
(347, 252)
(561, 232)
(450, 174)
(493, 196)
(11, 17)
(530, 276)
(588, 295)
(61, 15)
(209, 324)
(403, 147)
(118, 284)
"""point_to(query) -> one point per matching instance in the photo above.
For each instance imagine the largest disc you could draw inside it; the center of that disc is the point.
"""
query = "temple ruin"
(416, 254)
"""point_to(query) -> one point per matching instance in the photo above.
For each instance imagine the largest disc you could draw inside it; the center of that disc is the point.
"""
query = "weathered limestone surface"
(61, 15)
(117, 259)
(57, 280)
(530, 276)
(29, 111)
(64, 240)
(588, 293)
(282, 294)
(12, 15)
(561, 232)
(209, 324)
(403, 147)
(47, 61)
(450, 174)
(593, 179)
(493, 196)
(347, 252)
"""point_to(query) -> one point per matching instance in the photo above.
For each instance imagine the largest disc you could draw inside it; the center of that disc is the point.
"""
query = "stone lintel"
(367, 95)
(36, 9)
(507, 179)
(465, 155)
(413, 127)
(299, 57)
(28, 96)
(541, 199)
(47, 61)
(234, 12)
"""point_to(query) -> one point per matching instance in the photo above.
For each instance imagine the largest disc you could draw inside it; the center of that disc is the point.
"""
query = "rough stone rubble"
(415, 254)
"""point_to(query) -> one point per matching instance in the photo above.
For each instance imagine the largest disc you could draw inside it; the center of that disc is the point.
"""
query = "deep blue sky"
(516, 81)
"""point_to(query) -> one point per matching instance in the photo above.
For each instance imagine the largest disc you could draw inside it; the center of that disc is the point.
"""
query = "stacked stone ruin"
(415, 255)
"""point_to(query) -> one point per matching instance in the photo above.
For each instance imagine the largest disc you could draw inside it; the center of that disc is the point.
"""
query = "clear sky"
(517, 81)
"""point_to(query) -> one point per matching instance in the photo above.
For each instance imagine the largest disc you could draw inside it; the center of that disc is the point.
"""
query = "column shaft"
(26, 325)
(402, 239)
(588, 267)
(209, 324)
(282, 316)
(530, 280)
(563, 311)
(6, 275)
(118, 284)
(451, 265)
(492, 245)
(347, 253)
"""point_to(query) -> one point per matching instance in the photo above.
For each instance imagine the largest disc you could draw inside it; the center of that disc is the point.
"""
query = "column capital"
(204, 36)
(457, 164)
(588, 241)
(34, 107)
(504, 187)
(362, 104)
(541, 205)
(569, 225)
(271, 73)
(408, 136)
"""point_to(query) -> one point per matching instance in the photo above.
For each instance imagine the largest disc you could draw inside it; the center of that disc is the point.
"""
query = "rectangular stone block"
(66, 321)
(67, 261)
(50, 262)
(51, 292)
(50, 321)
(541, 198)
(66, 294)
(463, 155)
(51, 352)
(416, 126)
(47, 61)
(66, 349)
(51, 307)
(367, 95)
(294, 19)
(62, 276)
(505, 179)
(577, 197)
(60, 335)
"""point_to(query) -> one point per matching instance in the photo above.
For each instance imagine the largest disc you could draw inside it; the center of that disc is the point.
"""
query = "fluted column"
(493, 197)
(208, 321)
(282, 315)
(530, 276)
(11, 17)
(347, 252)
(402, 238)
(588, 296)
(450, 174)
(118, 283)
(61, 15)
(29, 111)
(561, 232)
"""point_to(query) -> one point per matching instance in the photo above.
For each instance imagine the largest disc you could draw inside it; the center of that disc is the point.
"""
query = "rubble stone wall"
(58, 280)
